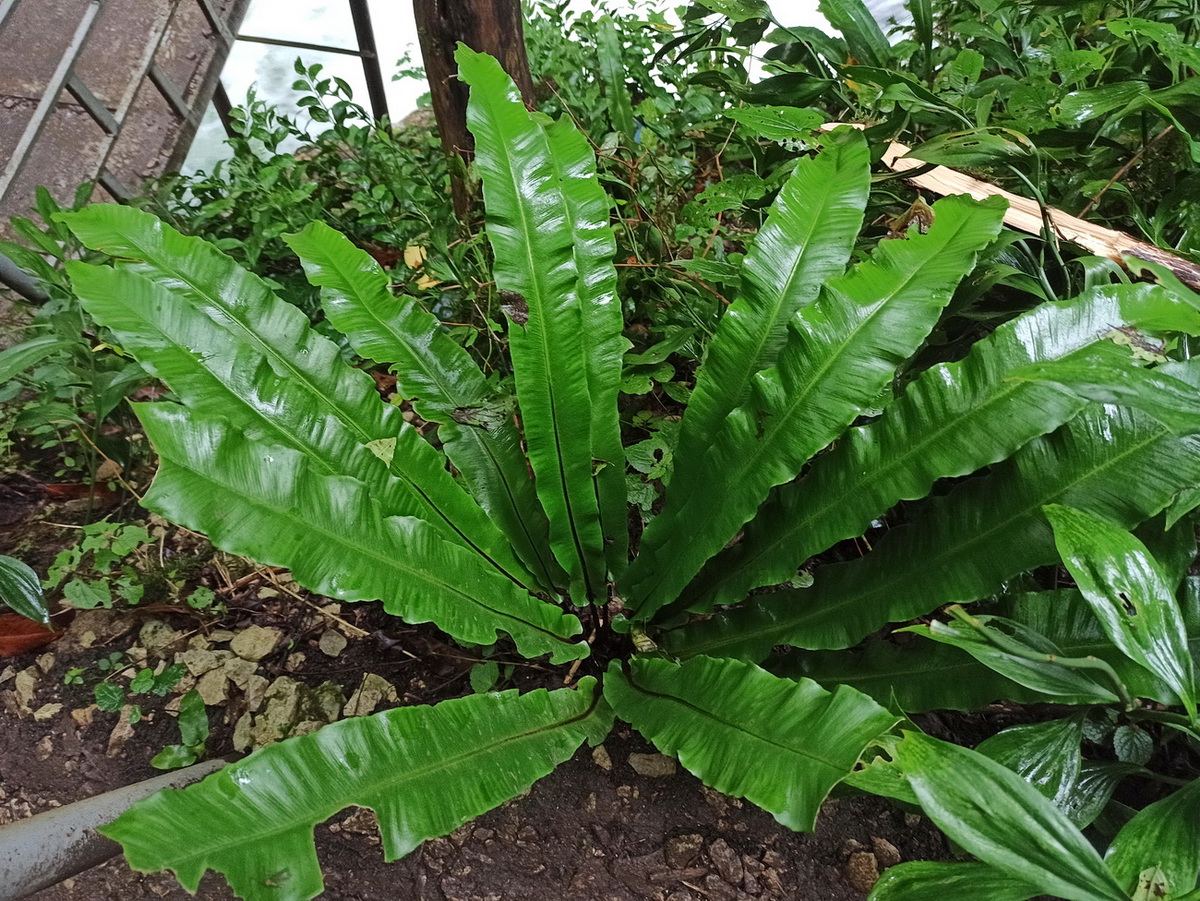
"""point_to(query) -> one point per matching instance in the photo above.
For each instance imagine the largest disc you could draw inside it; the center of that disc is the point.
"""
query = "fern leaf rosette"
(515, 525)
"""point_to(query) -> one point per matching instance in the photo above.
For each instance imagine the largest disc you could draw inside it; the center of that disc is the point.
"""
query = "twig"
(1031, 217)
(348, 626)
(245, 580)
(1124, 170)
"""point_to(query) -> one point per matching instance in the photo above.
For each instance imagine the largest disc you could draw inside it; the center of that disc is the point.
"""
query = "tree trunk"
(488, 26)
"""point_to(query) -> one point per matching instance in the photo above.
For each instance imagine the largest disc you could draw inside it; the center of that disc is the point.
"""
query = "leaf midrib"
(366, 303)
(757, 636)
(389, 784)
(369, 553)
(708, 714)
(879, 472)
(749, 462)
(551, 395)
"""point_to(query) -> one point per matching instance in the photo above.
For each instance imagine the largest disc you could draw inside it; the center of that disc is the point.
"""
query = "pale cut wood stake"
(1027, 215)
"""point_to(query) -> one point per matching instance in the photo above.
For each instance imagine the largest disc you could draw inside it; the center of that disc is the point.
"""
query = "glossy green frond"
(265, 502)
(1109, 461)
(1128, 594)
(927, 880)
(954, 419)
(440, 378)
(842, 351)
(806, 240)
(1165, 837)
(547, 265)
(222, 340)
(21, 590)
(718, 716)
(1000, 818)
(588, 209)
(423, 770)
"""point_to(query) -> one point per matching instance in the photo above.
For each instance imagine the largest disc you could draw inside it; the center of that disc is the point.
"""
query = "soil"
(594, 830)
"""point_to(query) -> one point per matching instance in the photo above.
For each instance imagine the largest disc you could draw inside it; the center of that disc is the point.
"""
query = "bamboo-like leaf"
(440, 378)
(613, 75)
(863, 35)
(927, 880)
(806, 240)
(715, 715)
(842, 352)
(951, 421)
(921, 676)
(1024, 656)
(1000, 818)
(1128, 594)
(229, 347)
(423, 770)
(1108, 461)
(21, 590)
(1165, 837)
(265, 502)
(560, 310)
(16, 359)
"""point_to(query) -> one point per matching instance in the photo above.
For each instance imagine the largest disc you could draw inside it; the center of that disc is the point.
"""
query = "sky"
(328, 22)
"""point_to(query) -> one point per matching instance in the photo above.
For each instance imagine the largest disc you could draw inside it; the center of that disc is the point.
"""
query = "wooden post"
(487, 26)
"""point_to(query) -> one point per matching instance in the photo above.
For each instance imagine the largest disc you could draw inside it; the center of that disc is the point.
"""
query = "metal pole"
(6, 6)
(49, 97)
(223, 107)
(43, 850)
(16, 278)
(361, 12)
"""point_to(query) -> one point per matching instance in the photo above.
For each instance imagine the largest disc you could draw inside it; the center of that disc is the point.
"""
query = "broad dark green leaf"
(1091, 103)
(222, 340)
(806, 240)
(1109, 461)
(954, 419)
(1094, 789)
(842, 351)
(718, 715)
(560, 307)
(977, 147)
(1046, 755)
(423, 770)
(924, 880)
(863, 35)
(1129, 595)
(21, 590)
(777, 123)
(1000, 818)
(1173, 547)
(441, 379)
(265, 502)
(1165, 837)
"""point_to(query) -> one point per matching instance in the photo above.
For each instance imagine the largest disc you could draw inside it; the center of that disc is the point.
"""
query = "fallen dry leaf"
(18, 635)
